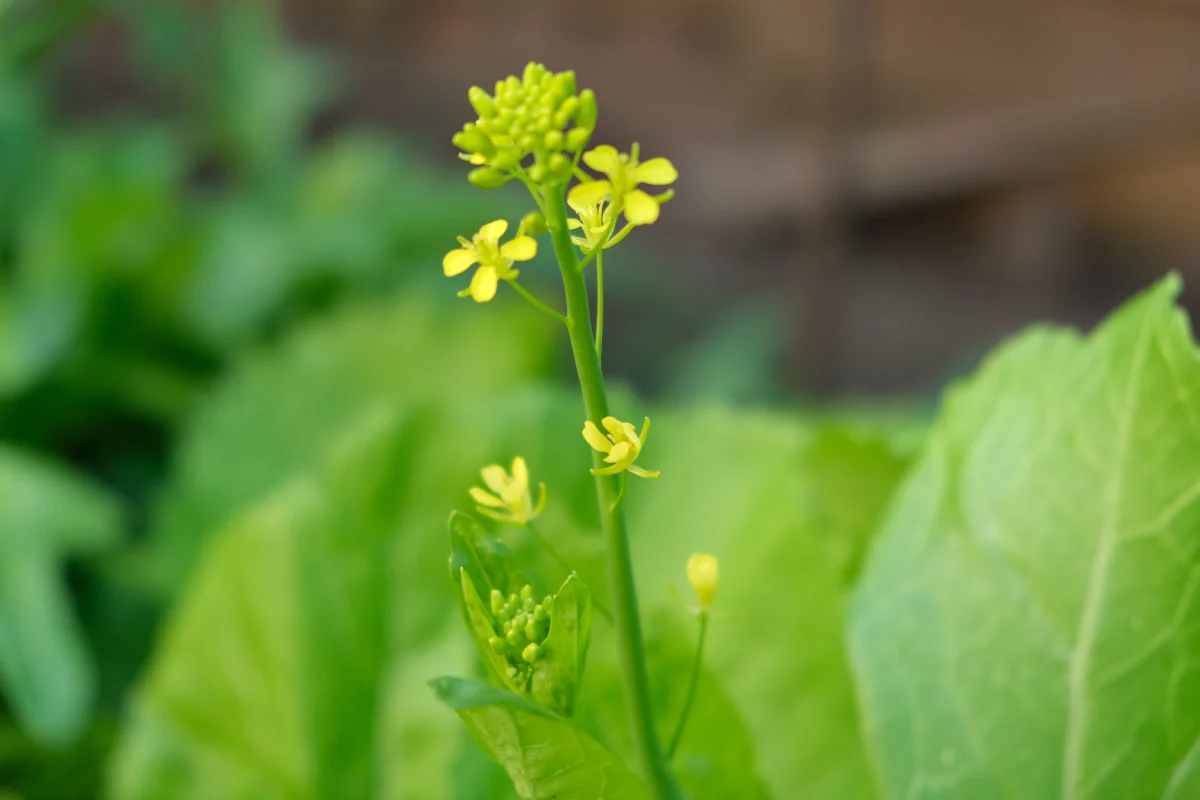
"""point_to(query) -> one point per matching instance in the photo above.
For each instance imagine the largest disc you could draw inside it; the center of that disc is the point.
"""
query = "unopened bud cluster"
(521, 625)
(527, 116)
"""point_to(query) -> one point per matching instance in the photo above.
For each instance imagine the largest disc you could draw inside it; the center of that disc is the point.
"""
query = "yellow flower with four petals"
(509, 501)
(495, 260)
(625, 173)
(623, 445)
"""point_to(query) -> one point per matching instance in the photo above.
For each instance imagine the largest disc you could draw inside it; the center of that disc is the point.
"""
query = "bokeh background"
(221, 224)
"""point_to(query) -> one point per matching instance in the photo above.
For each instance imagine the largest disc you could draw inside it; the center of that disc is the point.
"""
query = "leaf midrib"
(1079, 664)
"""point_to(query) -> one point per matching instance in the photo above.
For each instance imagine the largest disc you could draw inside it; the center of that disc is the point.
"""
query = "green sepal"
(544, 754)
(558, 675)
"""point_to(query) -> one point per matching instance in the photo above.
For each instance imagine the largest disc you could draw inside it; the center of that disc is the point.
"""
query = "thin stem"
(566, 567)
(691, 693)
(537, 196)
(612, 520)
(600, 305)
(538, 304)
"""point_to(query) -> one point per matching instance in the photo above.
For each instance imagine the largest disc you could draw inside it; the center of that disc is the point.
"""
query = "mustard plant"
(537, 129)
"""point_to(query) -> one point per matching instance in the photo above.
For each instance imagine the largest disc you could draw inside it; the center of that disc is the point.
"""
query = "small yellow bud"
(703, 574)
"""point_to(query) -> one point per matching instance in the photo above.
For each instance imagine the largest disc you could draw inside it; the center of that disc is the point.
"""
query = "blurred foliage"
(141, 254)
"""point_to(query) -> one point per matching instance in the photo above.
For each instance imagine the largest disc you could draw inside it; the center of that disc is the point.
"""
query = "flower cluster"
(521, 625)
(527, 116)
(509, 500)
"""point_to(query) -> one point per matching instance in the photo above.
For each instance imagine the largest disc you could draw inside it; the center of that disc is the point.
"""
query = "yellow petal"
(493, 231)
(485, 498)
(520, 473)
(703, 573)
(643, 473)
(613, 426)
(657, 172)
(640, 208)
(483, 284)
(458, 261)
(620, 452)
(645, 431)
(495, 477)
(574, 224)
(603, 159)
(595, 438)
(541, 503)
(522, 248)
(589, 194)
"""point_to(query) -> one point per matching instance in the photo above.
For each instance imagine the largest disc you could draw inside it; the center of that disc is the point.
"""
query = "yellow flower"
(703, 574)
(595, 221)
(622, 444)
(510, 493)
(624, 173)
(494, 259)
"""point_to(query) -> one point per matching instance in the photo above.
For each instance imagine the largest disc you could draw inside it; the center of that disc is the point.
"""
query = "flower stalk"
(612, 517)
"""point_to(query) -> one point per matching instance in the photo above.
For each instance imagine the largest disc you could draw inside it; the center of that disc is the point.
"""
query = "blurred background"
(212, 216)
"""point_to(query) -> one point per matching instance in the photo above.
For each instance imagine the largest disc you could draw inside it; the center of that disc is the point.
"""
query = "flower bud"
(569, 107)
(482, 102)
(496, 601)
(527, 141)
(519, 620)
(526, 592)
(703, 574)
(563, 85)
(577, 139)
(553, 140)
(507, 158)
(513, 637)
(539, 614)
(537, 173)
(586, 117)
(498, 645)
(528, 605)
(531, 653)
(472, 140)
(533, 224)
(487, 178)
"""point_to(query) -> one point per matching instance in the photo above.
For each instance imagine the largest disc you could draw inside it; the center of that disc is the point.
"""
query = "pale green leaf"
(1027, 624)
(546, 757)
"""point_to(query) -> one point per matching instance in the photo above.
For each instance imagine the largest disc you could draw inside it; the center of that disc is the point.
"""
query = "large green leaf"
(272, 676)
(1027, 623)
(280, 410)
(46, 514)
(546, 756)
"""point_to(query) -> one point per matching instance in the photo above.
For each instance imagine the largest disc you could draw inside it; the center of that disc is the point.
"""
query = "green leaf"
(1025, 626)
(481, 627)
(557, 676)
(488, 563)
(46, 514)
(280, 411)
(544, 754)
(272, 679)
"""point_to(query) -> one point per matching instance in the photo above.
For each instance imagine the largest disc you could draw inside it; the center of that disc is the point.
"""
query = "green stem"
(562, 562)
(538, 304)
(612, 518)
(691, 693)
(600, 305)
